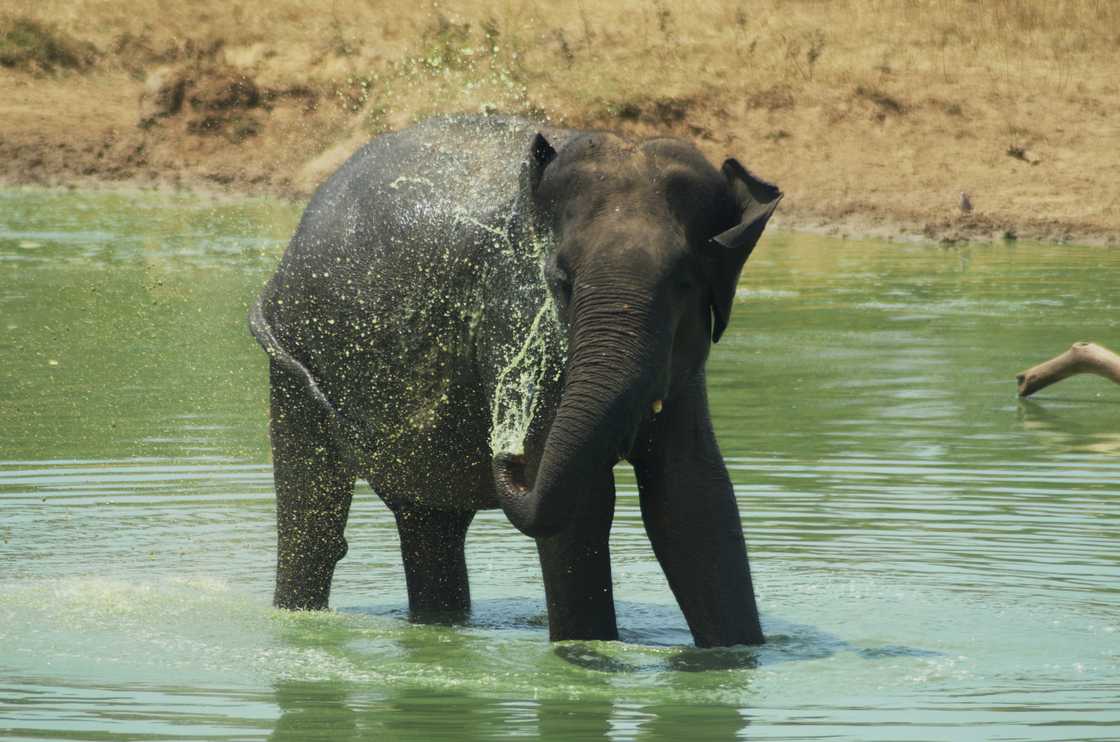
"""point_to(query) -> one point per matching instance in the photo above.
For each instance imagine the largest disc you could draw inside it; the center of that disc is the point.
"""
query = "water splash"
(532, 357)
(517, 395)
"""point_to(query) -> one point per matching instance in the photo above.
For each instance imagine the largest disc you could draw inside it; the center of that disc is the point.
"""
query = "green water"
(934, 559)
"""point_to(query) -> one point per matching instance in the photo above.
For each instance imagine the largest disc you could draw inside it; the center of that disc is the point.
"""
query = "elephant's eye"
(684, 276)
(563, 288)
(560, 281)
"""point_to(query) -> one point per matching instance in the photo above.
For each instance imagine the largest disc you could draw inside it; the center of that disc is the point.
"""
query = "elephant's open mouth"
(509, 469)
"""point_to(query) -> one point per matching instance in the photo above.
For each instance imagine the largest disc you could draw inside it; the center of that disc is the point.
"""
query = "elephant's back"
(440, 166)
(423, 180)
(404, 214)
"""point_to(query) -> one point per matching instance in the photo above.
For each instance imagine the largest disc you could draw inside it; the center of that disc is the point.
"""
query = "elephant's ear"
(729, 250)
(532, 169)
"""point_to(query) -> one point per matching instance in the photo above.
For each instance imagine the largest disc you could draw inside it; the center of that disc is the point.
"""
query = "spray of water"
(531, 359)
(516, 396)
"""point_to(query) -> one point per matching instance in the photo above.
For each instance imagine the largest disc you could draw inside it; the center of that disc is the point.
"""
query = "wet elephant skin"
(483, 312)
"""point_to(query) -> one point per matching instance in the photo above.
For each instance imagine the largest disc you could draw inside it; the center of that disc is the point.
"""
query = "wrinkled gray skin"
(416, 276)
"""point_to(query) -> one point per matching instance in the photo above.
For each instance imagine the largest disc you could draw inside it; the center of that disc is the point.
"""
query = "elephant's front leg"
(314, 485)
(576, 565)
(689, 510)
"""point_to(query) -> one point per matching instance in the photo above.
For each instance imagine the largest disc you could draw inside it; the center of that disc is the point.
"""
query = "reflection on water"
(932, 554)
(310, 711)
(1060, 424)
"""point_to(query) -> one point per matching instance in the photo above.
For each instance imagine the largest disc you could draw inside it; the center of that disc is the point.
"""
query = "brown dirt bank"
(873, 115)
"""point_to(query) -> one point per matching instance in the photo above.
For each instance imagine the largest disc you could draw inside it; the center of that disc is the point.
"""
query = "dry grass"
(872, 106)
(592, 51)
(35, 46)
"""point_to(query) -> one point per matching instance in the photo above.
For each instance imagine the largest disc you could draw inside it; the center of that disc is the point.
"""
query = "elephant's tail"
(345, 431)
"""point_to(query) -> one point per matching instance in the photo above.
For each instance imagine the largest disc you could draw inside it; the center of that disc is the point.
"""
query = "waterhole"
(933, 557)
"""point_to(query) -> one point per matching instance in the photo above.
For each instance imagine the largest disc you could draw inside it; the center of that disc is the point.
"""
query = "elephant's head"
(649, 243)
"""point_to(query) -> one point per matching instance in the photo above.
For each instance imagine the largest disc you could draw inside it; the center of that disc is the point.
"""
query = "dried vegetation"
(38, 47)
(872, 113)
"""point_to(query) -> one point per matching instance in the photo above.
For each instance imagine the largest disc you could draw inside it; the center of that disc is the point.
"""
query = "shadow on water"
(794, 643)
(655, 638)
(1070, 424)
(454, 617)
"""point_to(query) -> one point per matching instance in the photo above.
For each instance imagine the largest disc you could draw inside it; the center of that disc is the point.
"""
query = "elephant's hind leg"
(314, 485)
(435, 566)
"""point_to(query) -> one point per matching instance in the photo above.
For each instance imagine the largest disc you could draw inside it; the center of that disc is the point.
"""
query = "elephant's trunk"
(606, 384)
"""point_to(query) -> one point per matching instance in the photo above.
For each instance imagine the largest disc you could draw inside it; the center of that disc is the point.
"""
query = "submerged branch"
(1081, 358)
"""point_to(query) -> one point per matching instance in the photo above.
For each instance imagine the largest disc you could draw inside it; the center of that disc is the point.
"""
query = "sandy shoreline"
(847, 227)
(872, 127)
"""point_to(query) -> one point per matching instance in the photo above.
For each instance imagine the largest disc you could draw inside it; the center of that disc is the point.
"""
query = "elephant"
(483, 311)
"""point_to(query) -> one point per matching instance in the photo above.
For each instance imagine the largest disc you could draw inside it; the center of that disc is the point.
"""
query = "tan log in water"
(1081, 358)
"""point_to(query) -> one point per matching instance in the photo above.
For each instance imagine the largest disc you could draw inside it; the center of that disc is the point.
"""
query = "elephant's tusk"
(656, 406)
